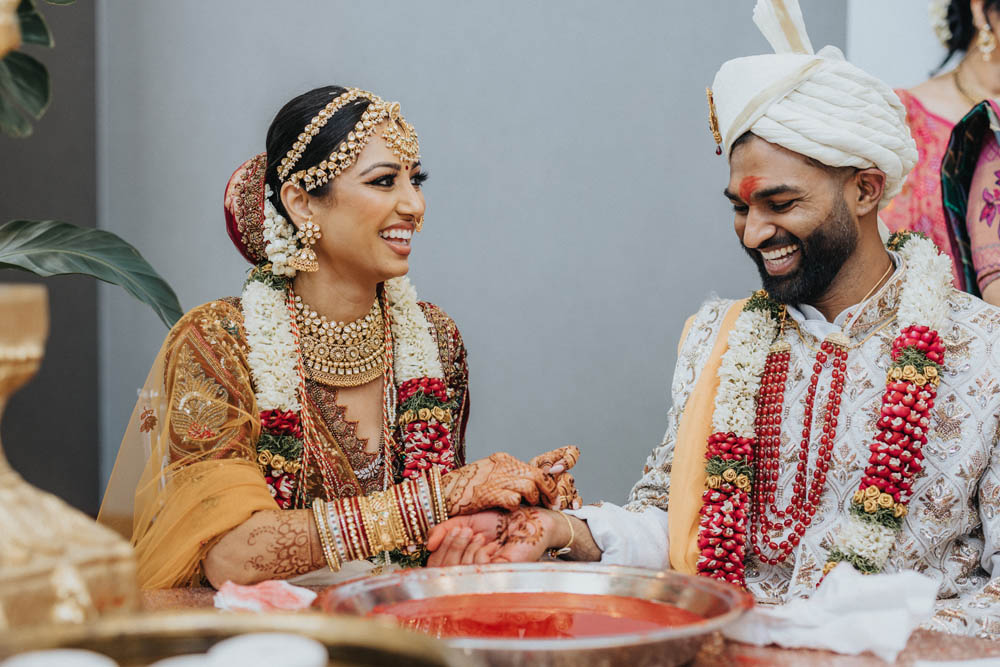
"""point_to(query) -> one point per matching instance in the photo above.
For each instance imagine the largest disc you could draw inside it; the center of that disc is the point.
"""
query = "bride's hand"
(557, 463)
(558, 460)
(521, 536)
(497, 482)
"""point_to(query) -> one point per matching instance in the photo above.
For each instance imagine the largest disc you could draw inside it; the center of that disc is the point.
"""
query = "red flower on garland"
(424, 420)
(281, 422)
(722, 533)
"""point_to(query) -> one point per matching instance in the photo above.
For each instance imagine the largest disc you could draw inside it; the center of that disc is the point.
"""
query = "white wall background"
(575, 215)
(893, 40)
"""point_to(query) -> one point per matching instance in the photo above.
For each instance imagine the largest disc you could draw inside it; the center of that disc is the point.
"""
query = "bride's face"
(369, 217)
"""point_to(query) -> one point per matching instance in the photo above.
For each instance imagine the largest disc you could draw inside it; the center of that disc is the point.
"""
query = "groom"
(848, 414)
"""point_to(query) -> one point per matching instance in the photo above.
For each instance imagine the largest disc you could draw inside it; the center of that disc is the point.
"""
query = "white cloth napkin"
(975, 662)
(849, 613)
(269, 595)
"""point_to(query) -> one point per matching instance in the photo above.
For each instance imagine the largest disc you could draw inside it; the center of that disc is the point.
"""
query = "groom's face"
(792, 218)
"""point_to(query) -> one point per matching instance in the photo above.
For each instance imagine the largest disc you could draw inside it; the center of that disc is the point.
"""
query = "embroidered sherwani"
(952, 531)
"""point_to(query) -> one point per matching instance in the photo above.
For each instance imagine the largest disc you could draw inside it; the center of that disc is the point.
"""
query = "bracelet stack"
(359, 527)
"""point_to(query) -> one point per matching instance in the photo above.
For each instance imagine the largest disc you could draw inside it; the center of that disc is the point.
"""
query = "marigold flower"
(871, 506)
(830, 564)
(859, 498)
(424, 414)
(729, 475)
(872, 492)
(909, 372)
(278, 462)
(713, 481)
(743, 482)
(885, 501)
(264, 457)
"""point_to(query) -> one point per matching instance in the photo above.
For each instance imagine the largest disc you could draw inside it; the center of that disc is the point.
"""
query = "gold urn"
(56, 564)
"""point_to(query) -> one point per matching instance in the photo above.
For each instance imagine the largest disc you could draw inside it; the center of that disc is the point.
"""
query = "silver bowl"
(719, 604)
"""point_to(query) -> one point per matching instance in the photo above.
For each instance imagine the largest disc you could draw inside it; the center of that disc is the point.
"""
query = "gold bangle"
(409, 497)
(556, 553)
(323, 529)
(440, 508)
(366, 519)
(353, 520)
(396, 522)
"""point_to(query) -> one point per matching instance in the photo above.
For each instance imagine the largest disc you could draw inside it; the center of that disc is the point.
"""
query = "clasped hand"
(503, 482)
(478, 533)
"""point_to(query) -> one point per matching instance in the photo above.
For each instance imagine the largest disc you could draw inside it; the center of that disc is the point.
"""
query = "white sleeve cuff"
(636, 539)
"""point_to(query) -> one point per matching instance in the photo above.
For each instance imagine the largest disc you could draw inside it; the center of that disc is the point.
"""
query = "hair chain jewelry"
(399, 136)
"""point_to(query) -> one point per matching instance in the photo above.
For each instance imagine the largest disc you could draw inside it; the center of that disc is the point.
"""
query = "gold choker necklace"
(342, 354)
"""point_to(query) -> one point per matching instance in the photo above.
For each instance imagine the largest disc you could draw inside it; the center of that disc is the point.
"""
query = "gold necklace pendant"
(341, 354)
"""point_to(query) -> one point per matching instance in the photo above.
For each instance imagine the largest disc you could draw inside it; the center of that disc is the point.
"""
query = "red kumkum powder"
(534, 615)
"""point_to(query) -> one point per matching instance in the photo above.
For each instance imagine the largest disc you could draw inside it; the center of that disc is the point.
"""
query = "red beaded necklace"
(797, 515)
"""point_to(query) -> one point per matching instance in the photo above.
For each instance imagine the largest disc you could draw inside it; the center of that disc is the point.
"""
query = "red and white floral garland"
(744, 416)
(416, 395)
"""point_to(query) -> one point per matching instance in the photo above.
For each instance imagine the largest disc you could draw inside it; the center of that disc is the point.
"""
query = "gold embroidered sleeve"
(977, 613)
(211, 406)
(653, 488)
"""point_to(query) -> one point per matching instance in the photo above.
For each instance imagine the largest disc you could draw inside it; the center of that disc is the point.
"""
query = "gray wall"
(50, 428)
(574, 217)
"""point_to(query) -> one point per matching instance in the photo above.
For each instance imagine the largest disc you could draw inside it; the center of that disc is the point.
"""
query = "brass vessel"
(56, 564)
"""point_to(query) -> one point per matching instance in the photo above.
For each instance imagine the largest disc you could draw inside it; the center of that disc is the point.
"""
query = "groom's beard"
(823, 253)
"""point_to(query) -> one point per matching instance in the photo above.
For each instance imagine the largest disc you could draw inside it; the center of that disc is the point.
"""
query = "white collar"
(812, 321)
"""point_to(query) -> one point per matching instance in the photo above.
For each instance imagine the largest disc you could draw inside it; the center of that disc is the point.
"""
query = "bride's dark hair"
(288, 124)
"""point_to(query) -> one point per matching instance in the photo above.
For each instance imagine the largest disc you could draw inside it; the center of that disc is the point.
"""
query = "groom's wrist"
(556, 529)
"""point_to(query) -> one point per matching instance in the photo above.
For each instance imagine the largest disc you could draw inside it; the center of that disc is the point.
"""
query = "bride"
(318, 420)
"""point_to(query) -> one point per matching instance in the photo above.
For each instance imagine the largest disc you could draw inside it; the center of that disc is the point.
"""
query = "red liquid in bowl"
(534, 615)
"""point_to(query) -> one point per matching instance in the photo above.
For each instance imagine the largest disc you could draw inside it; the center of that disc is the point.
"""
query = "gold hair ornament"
(399, 135)
(713, 122)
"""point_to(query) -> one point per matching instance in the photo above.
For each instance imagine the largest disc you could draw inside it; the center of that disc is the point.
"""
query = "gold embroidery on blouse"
(200, 405)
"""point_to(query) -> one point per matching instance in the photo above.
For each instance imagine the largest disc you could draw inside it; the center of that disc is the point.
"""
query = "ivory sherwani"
(952, 532)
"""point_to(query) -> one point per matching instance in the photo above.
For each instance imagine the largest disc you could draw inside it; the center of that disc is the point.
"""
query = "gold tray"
(141, 639)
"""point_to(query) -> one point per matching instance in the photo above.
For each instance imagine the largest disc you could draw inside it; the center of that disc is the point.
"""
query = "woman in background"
(933, 107)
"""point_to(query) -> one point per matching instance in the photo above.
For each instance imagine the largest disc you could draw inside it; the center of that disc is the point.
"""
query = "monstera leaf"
(25, 90)
(50, 248)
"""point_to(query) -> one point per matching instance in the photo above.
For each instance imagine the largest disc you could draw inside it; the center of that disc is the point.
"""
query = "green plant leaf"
(25, 81)
(34, 30)
(12, 122)
(50, 248)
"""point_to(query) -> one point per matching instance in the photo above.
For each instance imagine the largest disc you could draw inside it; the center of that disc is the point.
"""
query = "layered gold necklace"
(341, 354)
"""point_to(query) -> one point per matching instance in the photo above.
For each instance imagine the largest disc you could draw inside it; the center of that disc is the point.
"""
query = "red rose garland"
(425, 417)
(737, 467)
(722, 534)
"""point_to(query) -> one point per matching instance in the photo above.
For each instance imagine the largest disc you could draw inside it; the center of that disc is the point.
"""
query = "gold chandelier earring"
(420, 223)
(987, 42)
(304, 258)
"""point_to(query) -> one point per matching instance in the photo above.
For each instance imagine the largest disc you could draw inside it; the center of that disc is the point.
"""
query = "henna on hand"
(566, 456)
(567, 496)
(500, 481)
(286, 544)
(522, 526)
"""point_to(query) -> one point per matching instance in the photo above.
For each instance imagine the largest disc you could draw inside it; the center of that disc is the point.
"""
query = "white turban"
(818, 105)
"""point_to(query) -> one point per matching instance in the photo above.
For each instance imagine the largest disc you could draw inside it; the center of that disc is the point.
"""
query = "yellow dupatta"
(687, 476)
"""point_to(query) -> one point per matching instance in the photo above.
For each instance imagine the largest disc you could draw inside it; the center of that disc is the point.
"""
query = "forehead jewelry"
(399, 136)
